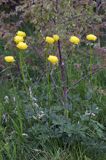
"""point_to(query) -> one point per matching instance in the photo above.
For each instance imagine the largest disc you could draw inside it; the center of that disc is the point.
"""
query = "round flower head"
(22, 45)
(56, 37)
(21, 33)
(49, 40)
(18, 39)
(74, 40)
(53, 59)
(9, 59)
(91, 37)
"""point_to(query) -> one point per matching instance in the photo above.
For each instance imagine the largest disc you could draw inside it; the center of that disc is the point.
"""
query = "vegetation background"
(38, 122)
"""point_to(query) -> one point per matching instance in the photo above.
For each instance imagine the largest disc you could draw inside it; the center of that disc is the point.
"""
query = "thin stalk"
(26, 68)
(63, 79)
(70, 62)
(23, 64)
(49, 87)
(17, 102)
(12, 79)
(91, 54)
(22, 71)
(46, 56)
(48, 75)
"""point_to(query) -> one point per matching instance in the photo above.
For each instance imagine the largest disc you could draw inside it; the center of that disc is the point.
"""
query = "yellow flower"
(18, 39)
(91, 37)
(49, 40)
(53, 59)
(9, 59)
(21, 33)
(22, 45)
(74, 40)
(56, 37)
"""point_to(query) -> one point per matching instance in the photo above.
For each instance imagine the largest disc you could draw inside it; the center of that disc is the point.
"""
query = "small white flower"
(89, 113)
(24, 134)
(6, 98)
(37, 150)
(93, 114)
(41, 114)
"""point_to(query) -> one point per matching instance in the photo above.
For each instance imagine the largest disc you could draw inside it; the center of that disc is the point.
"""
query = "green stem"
(48, 74)
(14, 88)
(12, 79)
(46, 56)
(26, 68)
(22, 71)
(66, 113)
(91, 54)
(49, 86)
(71, 63)
(16, 101)
(23, 64)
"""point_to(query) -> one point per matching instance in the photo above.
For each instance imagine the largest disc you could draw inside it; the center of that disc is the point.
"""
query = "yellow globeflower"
(53, 59)
(9, 59)
(18, 39)
(91, 37)
(74, 40)
(21, 33)
(22, 45)
(56, 37)
(49, 40)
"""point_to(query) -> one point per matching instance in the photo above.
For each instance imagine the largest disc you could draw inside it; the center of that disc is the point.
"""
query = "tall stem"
(63, 77)
(49, 86)
(91, 54)
(21, 69)
(12, 80)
